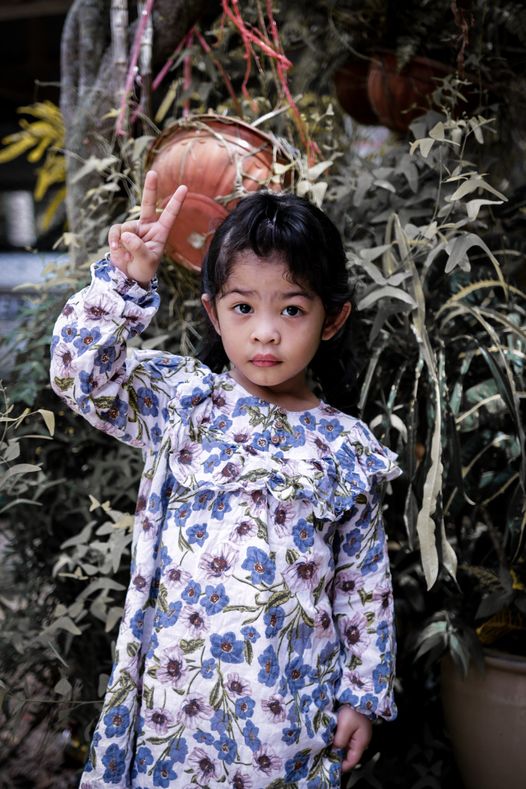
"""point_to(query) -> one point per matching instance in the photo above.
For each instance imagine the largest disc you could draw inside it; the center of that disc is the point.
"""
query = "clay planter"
(398, 97)
(350, 84)
(486, 721)
(220, 159)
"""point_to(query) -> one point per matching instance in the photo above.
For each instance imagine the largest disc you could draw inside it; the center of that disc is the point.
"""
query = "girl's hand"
(353, 733)
(136, 247)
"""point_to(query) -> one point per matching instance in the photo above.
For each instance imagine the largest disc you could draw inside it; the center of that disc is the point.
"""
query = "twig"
(132, 70)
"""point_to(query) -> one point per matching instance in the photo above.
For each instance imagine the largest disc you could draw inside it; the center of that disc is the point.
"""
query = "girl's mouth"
(265, 360)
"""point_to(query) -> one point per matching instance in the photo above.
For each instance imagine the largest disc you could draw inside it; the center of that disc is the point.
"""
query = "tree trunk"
(88, 90)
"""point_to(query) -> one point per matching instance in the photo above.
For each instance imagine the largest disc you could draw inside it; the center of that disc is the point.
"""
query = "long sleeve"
(120, 390)
(363, 610)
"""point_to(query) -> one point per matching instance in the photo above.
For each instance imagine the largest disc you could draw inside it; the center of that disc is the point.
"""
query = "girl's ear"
(333, 323)
(208, 304)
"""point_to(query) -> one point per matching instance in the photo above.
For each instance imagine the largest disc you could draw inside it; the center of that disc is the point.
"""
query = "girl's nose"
(265, 331)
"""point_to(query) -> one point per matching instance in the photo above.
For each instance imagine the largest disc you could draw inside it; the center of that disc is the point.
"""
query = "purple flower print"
(172, 670)
(194, 709)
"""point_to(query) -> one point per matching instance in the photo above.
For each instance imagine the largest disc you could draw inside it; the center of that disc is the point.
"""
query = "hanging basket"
(220, 160)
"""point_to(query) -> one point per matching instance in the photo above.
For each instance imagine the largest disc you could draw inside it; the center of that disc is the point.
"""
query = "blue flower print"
(147, 401)
(269, 671)
(316, 783)
(260, 565)
(331, 428)
(250, 735)
(197, 396)
(178, 750)
(291, 736)
(156, 433)
(274, 619)
(219, 721)
(181, 514)
(201, 500)
(382, 673)
(226, 647)
(208, 668)
(372, 558)
(192, 592)
(84, 404)
(305, 703)
(352, 543)
(168, 618)
(69, 332)
(86, 338)
(197, 534)
(210, 463)
(297, 767)
(153, 645)
(137, 624)
(102, 269)
(226, 749)
(245, 707)
(164, 773)
(295, 672)
(105, 358)
(250, 633)
(244, 404)
(261, 441)
(86, 382)
(374, 463)
(214, 599)
(117, 721)
(303, 535)
(296, 438)
(301, 638)
(320, 696)
(221, 506)
(221, 423)
(143, 759)
(167, 489)
(116, 414)
(203, 737)
(383, 632)
(308, 421)
(114, 762)
(369, 702)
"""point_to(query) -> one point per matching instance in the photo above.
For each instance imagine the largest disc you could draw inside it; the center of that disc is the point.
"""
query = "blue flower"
(303, 534)
(221, 506)
(260, 565)
(250, 735)
(210, 463)
(221, 423)
(245, 707)
(208, 668)
(382, 673)
(226, 749)
(226, 647)
(147, 401)
(295, 672)
(201, 499)
(164, 773)
(269, 671)
(372, 558)
(291, 736)
(84, 403)
(114, 762)
(301, 638)
(192, 592)
(117, 413)
(197, 534)
(137, 624)
(297, 767)
(383, 630)
(105, 358)
(142, 761)
(250, 633)
(182, 513)
(69, 332)
(167, 489)
(197, 396)
(101, 271)
(117, 721)
(320, 696)
(244, 403)
(178, 750)
(204, 736)
(87, 338)
(86, 381)
(308, 420)
(154, 643)
(331, 428)
(297, 438)
(305, 703)
(274, 619)
(316, 783)
(168, 618)
(156, 434)
(214, 599)
(219, 721)
(261, 441)
(352, 542)
(369, 702)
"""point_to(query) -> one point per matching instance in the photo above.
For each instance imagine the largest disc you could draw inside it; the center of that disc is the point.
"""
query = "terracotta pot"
(220, 159)
(350, 84)
(486, 719)
(398, 97)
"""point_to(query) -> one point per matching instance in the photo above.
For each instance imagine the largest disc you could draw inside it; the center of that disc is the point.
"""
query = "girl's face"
(270, 327)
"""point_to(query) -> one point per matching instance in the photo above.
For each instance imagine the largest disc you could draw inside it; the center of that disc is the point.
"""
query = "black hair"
(311, 245)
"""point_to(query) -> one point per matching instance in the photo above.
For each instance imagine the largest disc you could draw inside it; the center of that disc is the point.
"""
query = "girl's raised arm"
(122, 391)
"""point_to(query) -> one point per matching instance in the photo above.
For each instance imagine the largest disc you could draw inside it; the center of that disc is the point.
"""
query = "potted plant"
(443, 369)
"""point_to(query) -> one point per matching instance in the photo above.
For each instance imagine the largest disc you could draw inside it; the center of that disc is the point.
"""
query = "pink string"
(132, 69)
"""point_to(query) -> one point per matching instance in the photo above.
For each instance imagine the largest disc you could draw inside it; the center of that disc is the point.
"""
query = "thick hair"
(308, 241)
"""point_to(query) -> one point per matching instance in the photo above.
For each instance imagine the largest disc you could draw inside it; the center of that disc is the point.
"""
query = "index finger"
(170, 212)
(149, 198)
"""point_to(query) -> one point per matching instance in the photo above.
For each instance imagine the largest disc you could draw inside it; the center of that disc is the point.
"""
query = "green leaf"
(191, 645)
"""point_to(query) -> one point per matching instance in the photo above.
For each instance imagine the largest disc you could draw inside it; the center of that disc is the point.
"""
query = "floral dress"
(260, 595)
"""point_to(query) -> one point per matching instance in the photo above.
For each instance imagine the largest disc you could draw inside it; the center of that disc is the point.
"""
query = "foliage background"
(67, 525)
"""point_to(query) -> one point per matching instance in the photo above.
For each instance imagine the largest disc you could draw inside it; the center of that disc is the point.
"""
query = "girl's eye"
(243, 309)
(292, 311)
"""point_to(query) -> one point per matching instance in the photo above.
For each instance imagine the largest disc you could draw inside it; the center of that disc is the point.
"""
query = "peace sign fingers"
(148, 213)
(170, 213)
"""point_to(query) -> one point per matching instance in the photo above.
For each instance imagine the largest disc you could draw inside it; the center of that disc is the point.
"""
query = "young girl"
(257, 643)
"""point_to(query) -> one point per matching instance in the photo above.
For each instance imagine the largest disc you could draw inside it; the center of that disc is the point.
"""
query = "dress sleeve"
(363, 597)
(120, 390)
